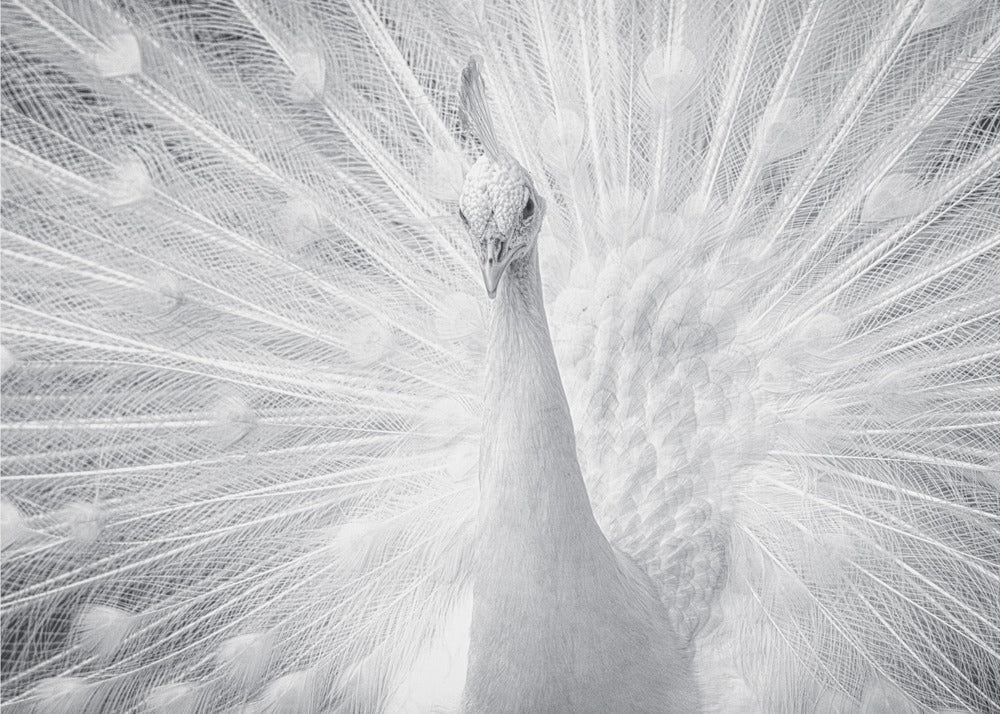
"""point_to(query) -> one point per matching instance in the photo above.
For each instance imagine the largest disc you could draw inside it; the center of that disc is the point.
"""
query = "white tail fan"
(244, 332)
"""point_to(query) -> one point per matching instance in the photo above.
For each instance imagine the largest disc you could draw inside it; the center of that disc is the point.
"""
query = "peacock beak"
(495, 262)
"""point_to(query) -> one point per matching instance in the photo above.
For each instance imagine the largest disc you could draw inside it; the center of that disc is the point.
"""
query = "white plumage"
(247, 376)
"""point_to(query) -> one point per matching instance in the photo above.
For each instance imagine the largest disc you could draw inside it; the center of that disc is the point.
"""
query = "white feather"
(100, 629)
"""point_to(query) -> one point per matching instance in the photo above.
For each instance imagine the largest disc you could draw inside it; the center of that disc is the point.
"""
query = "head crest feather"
(473, 109)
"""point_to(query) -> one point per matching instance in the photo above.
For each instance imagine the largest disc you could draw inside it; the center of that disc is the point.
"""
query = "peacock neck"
(560, 622)
(529, 474)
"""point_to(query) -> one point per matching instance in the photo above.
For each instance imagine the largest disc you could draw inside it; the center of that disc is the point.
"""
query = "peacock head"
(502, 212)
(498, 205)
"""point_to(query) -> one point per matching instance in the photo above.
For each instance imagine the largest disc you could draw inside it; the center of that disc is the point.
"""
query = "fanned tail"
(238, 459)
(780, 329)
(242, 335)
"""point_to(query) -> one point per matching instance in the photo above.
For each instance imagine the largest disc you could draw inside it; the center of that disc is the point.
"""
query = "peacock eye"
(529, 209)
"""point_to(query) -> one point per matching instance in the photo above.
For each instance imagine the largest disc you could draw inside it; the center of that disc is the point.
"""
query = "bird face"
(502, 213)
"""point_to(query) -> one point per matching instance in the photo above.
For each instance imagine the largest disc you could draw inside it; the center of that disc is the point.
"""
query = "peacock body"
(268, 446)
